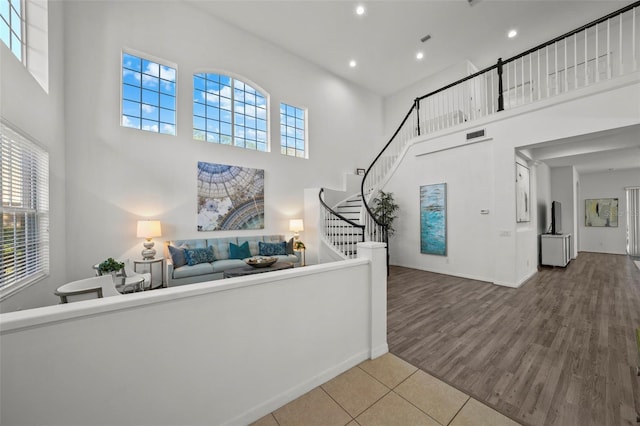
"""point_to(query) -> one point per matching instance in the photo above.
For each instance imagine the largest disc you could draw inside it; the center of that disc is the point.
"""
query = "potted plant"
(111, 266)
(384, 210)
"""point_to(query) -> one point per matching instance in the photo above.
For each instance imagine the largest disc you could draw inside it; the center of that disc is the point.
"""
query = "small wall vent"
(474, 135)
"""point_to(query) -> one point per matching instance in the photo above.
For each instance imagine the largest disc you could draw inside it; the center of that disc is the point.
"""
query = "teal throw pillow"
(177, 256)
(272, 249)
(290, 246)
(199, 255)
(239, 251)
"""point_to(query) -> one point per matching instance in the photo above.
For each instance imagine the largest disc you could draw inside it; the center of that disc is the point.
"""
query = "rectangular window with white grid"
(292, 131)
(148, 94)
(12, 26)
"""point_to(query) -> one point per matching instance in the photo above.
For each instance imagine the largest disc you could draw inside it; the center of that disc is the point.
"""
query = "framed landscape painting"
(230, 197)
(602, 212)
(433, 219)
(523, 201)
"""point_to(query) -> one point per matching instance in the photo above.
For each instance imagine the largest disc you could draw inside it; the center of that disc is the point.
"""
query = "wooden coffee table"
(250, 270)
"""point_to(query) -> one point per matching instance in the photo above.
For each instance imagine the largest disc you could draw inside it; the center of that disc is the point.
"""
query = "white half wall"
(222, 352)
(605, 185)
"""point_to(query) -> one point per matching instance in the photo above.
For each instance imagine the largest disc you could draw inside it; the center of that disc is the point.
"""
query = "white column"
(377, 254)
(312, 226)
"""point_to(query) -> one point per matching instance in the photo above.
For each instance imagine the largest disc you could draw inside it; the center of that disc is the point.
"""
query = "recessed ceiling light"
(360, 10)
(419, 55)
(352, 63)
(512, 33)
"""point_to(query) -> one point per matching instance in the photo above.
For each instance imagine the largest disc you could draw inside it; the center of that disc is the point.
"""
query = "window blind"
(24, 168)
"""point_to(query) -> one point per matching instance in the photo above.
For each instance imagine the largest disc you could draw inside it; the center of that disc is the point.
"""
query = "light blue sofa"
(215, 270)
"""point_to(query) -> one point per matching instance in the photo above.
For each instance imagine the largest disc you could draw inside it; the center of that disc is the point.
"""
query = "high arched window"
(229, 111)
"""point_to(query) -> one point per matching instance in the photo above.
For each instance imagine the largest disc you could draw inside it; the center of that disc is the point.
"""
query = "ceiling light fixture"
(512, 33)
(352, 63)
(419, 55)
(360, 10)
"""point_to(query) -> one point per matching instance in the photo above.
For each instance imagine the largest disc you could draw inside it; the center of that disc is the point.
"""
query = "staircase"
(342, 230)
(350, 208)
(547, 70)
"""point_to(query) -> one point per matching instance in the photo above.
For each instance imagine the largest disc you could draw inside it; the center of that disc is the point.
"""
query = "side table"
(300, 254)
(150, 263)
(130, 285)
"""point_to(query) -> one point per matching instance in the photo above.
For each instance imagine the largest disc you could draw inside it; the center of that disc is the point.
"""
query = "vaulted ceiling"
(385, 39)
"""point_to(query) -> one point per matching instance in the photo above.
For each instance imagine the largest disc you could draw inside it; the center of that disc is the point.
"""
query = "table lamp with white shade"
(296, 226)
(148, 229)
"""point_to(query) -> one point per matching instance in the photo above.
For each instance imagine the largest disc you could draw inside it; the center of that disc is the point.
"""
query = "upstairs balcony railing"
(601, 50)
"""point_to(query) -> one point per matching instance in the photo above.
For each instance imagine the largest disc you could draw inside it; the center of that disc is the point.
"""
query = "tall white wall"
(605, 185)
(106, 177)
(543, 193)
(543, 200)
(563, 189)
(482, 176)
(40, 114)
(468, 173)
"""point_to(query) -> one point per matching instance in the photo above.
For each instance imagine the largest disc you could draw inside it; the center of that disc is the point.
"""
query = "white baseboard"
(603, 252)
(506, 284)
(519, 283)
(528, 277)
(474, 277)
(272, 404)
(446, 272)
(379, 351)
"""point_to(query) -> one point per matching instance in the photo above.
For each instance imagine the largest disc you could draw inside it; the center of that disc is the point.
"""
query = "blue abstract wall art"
(433, 219)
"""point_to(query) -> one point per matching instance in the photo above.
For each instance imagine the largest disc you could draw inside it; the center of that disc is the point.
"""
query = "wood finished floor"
(560, 350)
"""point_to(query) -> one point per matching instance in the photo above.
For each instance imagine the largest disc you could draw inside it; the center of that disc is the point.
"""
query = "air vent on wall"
(474, 135)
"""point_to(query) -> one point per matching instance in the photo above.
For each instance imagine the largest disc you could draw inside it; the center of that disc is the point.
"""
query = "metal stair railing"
(339, 232)
(600, 50)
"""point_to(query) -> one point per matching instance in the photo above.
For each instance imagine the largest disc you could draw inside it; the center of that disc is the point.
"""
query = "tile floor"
(386, 391)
